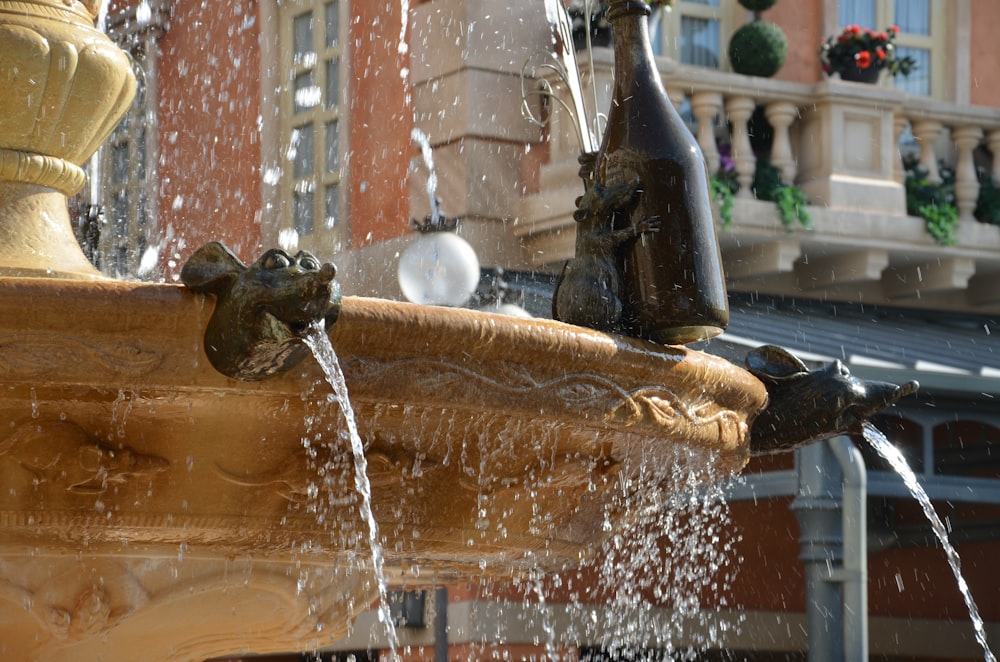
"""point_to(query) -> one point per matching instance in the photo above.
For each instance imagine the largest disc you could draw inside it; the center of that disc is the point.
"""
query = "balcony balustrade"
(842, 144)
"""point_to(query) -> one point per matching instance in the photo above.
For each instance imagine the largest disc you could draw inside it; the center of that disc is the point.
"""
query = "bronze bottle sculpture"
(675, 291)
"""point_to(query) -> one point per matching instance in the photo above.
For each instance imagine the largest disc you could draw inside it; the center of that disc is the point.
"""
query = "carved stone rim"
(49, 171)
(84, 13)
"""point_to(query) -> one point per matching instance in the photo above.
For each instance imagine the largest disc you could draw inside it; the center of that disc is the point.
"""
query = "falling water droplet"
(143, 13)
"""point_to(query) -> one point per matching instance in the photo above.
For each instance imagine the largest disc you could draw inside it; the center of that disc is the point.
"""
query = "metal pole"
(854, 574)
(817, 507)
(441, 625)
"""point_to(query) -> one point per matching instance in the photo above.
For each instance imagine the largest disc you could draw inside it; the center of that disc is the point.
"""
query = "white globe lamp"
(438, 268)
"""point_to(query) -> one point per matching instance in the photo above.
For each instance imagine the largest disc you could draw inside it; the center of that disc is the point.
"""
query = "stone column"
(966, 184)
(781, 114)
(899, 125)
(740, 109)
(993, 142)
(467, 60)
(706, 106)
(848, 153)
(926, 132)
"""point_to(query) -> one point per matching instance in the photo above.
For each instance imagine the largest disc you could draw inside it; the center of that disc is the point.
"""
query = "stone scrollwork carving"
(61, 453)
(666, 409)
(29, 355)
(589, 395)
(288, 482)
(91, 613)
(292, 482)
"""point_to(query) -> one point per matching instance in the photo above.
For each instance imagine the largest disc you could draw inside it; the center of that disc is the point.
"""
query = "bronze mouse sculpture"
(263, 311)
(590, 289)
(806, 406)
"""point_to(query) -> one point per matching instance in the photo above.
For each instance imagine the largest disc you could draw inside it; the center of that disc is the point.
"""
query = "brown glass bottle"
(675, 291)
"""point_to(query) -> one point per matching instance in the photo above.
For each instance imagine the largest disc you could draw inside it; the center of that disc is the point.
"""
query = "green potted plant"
(861, 54)
(759, 47)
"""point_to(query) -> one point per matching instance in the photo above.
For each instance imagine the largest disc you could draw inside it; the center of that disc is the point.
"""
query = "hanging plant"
(790, 200)
(933, 201)
(722, 192)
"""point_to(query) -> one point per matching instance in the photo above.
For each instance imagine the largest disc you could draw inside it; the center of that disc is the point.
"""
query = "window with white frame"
(921, 35)
(312, 119)
(693, 32)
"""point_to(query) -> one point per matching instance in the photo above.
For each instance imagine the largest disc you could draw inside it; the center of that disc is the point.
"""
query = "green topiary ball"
(758, 49)
(758, 5)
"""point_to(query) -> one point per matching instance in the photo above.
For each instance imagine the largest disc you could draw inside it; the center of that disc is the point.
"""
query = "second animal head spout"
(806, 406)
(263, 311)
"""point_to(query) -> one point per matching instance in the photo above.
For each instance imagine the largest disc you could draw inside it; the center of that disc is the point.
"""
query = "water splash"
(419, 137)
(645, 593)
(896, 460)
(403, 47)
(676, 547)
(319, 343)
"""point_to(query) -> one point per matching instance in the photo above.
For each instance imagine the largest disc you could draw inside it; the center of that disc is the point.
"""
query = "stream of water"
(892, 455)
(319, 343)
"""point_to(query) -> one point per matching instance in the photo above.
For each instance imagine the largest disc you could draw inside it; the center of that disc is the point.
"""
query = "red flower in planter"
(862, 48)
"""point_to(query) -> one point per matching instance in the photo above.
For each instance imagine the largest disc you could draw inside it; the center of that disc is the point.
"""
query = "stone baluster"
(781, 114)
(706, 106)
(926, 132)
(739, 109)
(899, 125)
(966, 184)
(993, 142)
(677, 96)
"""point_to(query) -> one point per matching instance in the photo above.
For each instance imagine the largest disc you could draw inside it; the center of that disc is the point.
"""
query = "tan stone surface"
(149, 501)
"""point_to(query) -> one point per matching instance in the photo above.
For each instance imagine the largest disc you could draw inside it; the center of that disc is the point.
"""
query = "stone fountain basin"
(150, 501)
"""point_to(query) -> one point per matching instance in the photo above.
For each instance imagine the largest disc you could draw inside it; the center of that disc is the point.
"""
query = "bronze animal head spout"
(806, 406)
(263, 311)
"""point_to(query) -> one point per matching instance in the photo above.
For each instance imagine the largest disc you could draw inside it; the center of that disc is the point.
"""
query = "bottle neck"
(627, 8)
(630, 29)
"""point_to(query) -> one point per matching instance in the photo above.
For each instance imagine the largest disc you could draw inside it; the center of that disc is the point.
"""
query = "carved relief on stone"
(297, 479)
(62, 454)
(194, 609)
(91, 613)
(585, 396)
(27, 355)
(666, 409)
